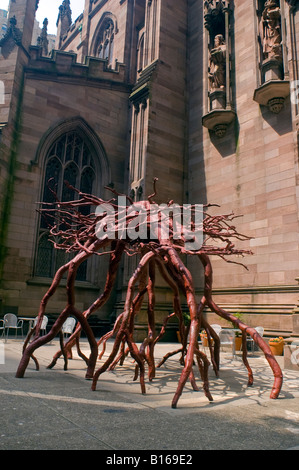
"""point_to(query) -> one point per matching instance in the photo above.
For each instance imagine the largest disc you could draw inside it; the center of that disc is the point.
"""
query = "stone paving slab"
(56, 409)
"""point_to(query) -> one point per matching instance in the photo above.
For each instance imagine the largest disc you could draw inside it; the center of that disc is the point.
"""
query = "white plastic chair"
(227, 337)
(11, 322)
(217, 328)
(260, 331)
(44, 324)
(68, 326)
(2, 327)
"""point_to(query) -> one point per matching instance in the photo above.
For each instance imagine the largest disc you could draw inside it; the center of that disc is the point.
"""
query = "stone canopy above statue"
(214, 16)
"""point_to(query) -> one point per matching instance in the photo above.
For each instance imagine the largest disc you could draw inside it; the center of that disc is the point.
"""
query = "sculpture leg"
(184, 331)
(27, 339)
(204, 372)
(278, 377)
(149, 343)
(115, 259)
(40, 341)
(124, 329)
(185, 275)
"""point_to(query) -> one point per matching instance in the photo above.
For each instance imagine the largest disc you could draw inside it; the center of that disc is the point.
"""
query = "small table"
(30, 320)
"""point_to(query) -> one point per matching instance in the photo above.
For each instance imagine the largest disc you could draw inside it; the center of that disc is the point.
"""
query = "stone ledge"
(272, 94)
(218, 120)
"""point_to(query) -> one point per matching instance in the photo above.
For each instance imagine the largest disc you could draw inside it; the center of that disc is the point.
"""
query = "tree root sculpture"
(79, 233)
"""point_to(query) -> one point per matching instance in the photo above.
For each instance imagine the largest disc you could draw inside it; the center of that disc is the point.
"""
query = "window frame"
(102, 177)
(99, 39)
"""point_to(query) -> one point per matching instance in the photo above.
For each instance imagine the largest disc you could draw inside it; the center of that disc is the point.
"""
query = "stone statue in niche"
(271, 18)
(217, 66)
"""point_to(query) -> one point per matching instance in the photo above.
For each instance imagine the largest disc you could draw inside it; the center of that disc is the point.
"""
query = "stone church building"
(203, 94)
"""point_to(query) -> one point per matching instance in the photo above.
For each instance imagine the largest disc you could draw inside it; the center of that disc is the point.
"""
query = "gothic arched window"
(105, 43)
(70, 158)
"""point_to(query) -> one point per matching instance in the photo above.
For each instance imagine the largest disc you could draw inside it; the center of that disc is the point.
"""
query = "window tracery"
(68, 159)
(105, 45)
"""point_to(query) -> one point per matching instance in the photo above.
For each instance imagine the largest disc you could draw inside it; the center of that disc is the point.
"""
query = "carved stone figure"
(272, 31)
(217, 65)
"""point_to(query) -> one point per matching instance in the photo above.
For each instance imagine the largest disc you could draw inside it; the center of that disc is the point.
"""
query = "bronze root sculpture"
(79, 232)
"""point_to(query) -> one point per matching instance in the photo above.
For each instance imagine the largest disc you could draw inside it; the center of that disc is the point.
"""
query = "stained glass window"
(69, 159)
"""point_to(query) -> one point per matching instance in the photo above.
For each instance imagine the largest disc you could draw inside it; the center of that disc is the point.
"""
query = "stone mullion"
(141, 144)
(147, 33)
(206, 67)
(154, 29)
(294, 55)
(284, 45)
(227, 60)
(133, 144)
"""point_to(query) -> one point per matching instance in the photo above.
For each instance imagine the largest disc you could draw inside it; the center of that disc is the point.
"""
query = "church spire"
(65, 12)
(64, 21)
(42, 40)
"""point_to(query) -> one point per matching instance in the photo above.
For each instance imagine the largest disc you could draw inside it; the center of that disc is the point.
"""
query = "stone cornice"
(141, 88)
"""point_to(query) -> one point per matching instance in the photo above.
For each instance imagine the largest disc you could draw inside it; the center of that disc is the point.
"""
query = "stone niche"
(273, 88)
(219, 113)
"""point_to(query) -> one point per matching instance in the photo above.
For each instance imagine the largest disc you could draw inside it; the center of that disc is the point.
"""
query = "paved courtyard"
(56, 409)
